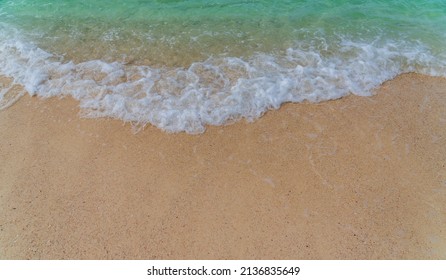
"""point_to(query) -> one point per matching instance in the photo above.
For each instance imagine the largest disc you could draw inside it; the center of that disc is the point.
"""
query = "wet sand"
(355, 178)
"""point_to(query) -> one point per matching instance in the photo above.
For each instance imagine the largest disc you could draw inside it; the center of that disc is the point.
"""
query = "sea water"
(182, 65)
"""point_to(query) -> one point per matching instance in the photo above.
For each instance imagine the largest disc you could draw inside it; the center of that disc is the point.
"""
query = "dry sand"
(360, 177)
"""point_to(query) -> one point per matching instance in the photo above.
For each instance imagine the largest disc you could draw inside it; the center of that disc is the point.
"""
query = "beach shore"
(355, 178)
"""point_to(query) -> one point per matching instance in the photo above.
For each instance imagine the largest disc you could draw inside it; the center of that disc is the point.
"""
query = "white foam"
(215, 91)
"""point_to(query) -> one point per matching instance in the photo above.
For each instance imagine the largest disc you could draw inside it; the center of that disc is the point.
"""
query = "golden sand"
(355, 178)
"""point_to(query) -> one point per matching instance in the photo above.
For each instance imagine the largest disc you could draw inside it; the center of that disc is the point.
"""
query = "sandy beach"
(354, 178)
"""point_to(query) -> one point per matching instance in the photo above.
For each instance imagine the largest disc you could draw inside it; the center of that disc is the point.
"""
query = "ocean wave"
(218, 90)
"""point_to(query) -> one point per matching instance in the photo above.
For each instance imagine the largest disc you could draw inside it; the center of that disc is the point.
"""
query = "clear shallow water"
(181, 65)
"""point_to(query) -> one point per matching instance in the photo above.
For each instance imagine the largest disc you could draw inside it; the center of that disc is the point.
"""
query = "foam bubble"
(215, 91)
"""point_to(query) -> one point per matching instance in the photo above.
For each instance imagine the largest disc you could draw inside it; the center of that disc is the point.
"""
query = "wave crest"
(218, 90)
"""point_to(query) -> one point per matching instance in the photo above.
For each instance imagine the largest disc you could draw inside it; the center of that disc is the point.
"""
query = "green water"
(180, 32)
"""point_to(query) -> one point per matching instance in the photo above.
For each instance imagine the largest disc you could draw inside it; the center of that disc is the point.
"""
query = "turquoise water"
(181, 65)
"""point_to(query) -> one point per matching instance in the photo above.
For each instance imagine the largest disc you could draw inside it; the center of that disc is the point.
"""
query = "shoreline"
(354, 178)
